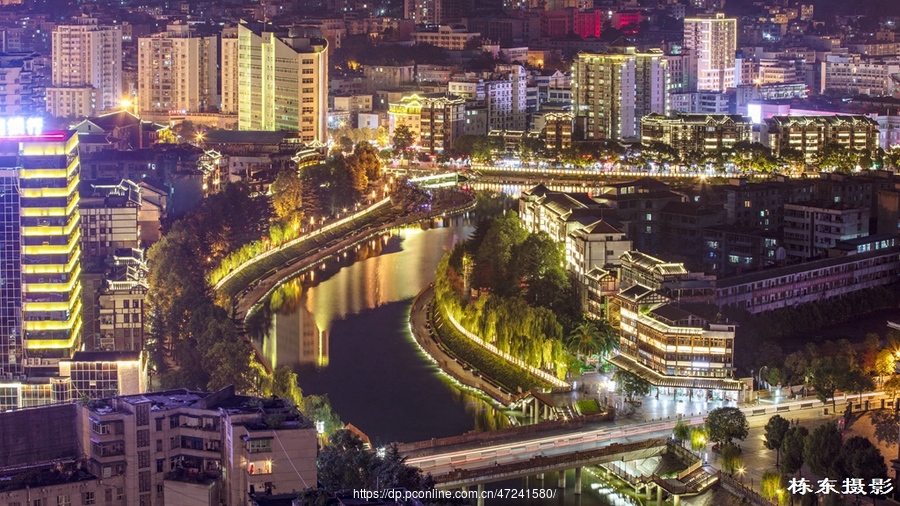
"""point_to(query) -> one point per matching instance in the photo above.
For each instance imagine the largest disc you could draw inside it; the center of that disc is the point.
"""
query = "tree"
(365, 156)
(776, 428)
(727, 424)
(584, 340)
(885, 362)
(403, 139)
(822, 448)
(538, 267)
(345, 144)
(318, 409)
(825, 373)
(287, 194)
(731, 457)
(855, 381)
(793, 159)
(792, 448)
(185, 131)
(285, 386)
(344, 463)
(631, 384)
(892, 386)
(859, 458)
(494, 260)
(699, 438)
(681, 432)
(834, 157)
(772, 486)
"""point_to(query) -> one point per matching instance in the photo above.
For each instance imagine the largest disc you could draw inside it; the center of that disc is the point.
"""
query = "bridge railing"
(499, 435)
(541, 462)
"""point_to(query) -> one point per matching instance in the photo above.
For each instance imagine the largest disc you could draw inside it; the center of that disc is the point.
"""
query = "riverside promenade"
(419, 326)
(247, 300)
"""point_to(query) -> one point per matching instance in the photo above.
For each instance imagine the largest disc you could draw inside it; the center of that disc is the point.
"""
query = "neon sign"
(18, 126)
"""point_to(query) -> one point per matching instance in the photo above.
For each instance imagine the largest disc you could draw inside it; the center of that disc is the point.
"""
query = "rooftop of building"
(830, 119)
(699, 118)
(118, 119)
(777, 272)
(247, 137)
(635, 292)
(601, 226)
(271, 411)
(651, 263)
(881, 241)
(106, 356)
(190, 476)
(57, 473)
(824, 204)
(674, 314)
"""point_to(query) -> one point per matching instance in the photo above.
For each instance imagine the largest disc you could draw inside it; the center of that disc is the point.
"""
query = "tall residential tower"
(87, 69)
(177, 72)
(613, 91)
(284, 80)
(713, 39)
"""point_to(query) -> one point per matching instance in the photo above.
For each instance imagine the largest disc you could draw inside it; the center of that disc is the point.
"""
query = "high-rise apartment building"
(713, 39)
(177, 72)
(229, 51)
(284, 85)
(86, 77)
(612, 91)
(40, 298)
(22, 92)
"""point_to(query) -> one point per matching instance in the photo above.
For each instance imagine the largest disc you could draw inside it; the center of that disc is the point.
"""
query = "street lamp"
(741, 471)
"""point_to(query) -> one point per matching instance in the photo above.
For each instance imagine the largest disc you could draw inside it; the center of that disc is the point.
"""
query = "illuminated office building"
(40, 291)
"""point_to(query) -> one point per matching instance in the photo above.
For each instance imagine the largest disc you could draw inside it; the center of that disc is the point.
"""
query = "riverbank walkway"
(420, 327)
(248, 299)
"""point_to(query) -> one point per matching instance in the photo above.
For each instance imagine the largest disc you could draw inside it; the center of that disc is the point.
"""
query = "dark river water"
(344, 330)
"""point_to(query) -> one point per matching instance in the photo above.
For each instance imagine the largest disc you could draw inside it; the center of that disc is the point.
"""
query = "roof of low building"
(246, 137)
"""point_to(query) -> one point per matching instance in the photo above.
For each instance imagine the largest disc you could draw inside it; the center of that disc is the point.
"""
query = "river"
(344, 330)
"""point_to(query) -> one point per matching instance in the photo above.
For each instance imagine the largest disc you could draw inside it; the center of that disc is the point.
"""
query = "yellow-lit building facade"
(48, 170)
(40, 293)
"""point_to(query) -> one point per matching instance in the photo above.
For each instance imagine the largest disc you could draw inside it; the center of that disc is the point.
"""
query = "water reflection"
(343, 329)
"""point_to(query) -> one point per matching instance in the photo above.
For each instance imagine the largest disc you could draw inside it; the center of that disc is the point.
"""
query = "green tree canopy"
(345, 464)
(287, 194)
(776, 429)
(727, 424)
(403, 139)
(793, 447)
(822, 448)
(631, 384)
(859, 458)
(682, 431)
